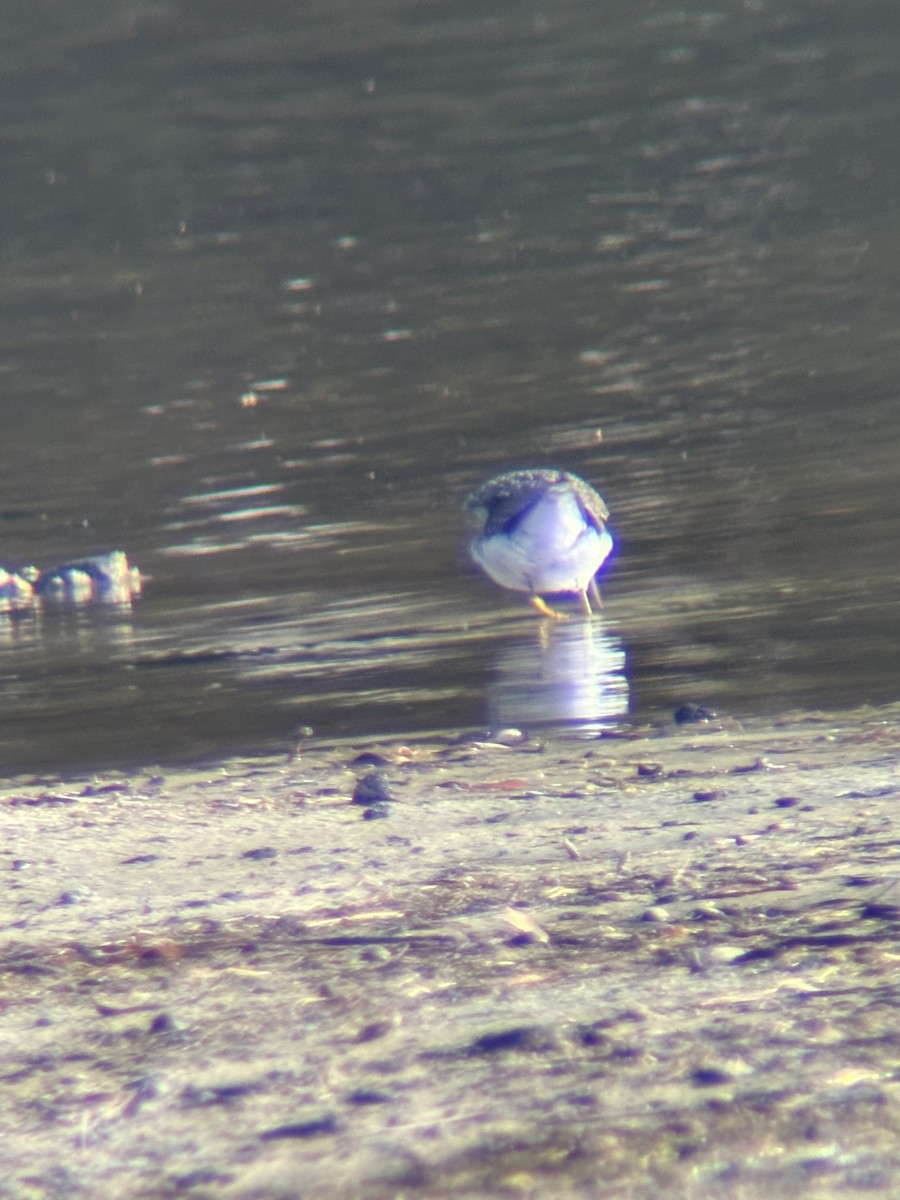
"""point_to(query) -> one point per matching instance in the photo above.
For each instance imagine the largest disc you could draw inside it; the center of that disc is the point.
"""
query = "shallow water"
(281, 286)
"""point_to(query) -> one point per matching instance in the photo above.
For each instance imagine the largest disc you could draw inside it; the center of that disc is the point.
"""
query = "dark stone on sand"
(372, 789)
(163, 1023)
(261, 852)
(520, 1037)
(710, 1076)
(376, 812)
(369, 758)
(649, 770)
(880, 911)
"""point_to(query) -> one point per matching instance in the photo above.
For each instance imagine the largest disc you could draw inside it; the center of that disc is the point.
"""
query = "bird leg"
(539, 603)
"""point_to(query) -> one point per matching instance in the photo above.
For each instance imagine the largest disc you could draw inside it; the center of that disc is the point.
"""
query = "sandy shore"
(657, 965)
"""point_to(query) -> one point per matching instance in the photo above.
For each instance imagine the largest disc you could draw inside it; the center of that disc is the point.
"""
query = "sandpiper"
(544, 533)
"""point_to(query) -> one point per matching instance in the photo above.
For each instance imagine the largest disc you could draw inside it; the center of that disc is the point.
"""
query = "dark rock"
(690, 714)
(372, 789)
(369, 758)
(376, 812)
(710, 1076)
(163, 1023)
(520, 1037)
(261, 852)
(880, 911)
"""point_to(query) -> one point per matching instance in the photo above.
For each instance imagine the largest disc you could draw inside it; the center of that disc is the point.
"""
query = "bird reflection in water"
(570, 675)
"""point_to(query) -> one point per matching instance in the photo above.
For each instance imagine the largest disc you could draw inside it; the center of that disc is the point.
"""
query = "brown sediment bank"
(654, 965)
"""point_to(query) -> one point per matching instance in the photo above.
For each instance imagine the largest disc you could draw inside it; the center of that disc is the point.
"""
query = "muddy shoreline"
(656, 964)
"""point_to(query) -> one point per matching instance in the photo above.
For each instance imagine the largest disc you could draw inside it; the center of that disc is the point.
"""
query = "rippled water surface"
(282, 282)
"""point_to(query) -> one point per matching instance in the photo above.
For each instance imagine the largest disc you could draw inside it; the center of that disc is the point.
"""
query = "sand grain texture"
(664, 964)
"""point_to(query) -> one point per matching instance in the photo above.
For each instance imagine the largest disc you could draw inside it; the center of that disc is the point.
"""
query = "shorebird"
(544, 533)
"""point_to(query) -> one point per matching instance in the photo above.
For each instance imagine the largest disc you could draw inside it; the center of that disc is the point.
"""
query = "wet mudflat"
(657, 963)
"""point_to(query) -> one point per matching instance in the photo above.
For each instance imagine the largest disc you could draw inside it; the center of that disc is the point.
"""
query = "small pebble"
(519, 1037)
(369, 758)
(261, 852)
(710, 1076)
(690, 714)
(655, 912)
(508, 737)
(649, 770)
(724, 954)
(163, 1023)
(376, 812)
(372, 789)
(786, 802)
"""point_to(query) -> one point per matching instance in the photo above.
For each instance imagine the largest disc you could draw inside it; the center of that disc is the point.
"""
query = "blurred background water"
(281, 282)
